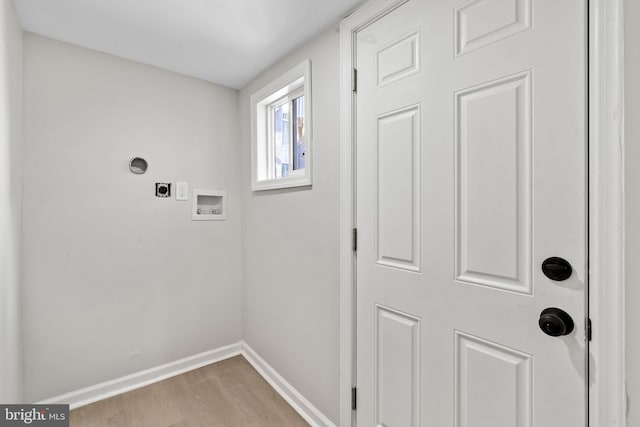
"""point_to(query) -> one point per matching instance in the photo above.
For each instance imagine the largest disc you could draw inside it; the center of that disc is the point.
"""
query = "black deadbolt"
(555, 322)
(556, 268)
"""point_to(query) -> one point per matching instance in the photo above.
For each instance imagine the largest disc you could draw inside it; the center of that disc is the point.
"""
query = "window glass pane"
(298, 133)
(281, 132)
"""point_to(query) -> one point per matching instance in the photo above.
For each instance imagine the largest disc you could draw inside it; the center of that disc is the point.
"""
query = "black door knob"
(555, 322)
(556, 268)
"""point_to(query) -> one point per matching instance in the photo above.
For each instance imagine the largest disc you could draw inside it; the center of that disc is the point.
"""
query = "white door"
(471, 154)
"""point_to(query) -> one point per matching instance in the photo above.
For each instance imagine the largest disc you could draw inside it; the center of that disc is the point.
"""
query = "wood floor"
(229, 393)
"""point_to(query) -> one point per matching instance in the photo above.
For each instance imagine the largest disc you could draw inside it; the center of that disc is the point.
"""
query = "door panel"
(493, 133)
(482, 22)
(471, 153)
(397, 374)
(399, 59)
(482, 365)
(398, 189)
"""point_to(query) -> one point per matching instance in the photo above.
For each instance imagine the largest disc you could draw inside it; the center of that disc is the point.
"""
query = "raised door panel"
(398, 189)
(494, 161)
(397, 373)
(398, 59)
(493, 384)
(479, 23)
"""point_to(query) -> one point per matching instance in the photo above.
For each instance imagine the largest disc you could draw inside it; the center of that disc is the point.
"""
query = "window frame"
(294, 83)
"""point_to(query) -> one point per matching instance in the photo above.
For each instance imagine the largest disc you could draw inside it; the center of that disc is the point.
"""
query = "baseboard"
(147, 377)
(302, 406)
(144, 378)
(107, 389)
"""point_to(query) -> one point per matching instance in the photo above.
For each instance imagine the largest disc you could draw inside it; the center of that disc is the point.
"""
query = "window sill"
(288, 182)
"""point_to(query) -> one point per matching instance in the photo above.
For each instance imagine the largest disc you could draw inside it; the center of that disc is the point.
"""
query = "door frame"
(607, 392)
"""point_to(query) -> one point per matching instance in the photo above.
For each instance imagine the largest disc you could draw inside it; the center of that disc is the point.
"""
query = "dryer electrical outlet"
(163, 189)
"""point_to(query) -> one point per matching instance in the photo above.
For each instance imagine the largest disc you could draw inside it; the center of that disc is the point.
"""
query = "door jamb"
(607, 390)
(349, 26)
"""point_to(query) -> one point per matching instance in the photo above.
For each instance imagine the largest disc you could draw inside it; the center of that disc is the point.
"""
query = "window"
(281, 131)
(287, 135)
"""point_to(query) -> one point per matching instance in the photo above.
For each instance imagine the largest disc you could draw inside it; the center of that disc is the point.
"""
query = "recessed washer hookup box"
(209, 205)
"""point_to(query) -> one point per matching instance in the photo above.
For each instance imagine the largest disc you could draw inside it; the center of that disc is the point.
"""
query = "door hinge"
(354, 80)
(354, 395)
(354, 240)
(589, 330)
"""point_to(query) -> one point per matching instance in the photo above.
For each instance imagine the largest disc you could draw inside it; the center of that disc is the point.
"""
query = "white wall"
(632, 199)
(10, 204)
(115, 279)
(291, 244)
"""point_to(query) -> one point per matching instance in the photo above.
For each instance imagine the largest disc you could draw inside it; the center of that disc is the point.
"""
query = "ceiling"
(228, 42)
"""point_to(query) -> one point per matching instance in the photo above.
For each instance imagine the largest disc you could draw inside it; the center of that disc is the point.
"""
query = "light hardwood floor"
(229, 393)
